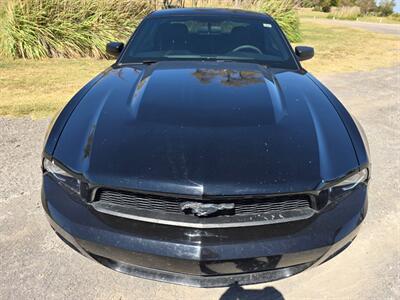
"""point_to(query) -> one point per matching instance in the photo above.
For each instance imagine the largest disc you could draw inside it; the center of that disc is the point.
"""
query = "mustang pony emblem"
(205, 209)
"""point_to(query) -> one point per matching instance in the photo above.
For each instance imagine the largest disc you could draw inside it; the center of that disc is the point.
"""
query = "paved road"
(35, 264)
(374, 27)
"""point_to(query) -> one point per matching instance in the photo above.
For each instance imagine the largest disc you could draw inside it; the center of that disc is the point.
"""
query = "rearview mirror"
(304, 52)
(114, 48)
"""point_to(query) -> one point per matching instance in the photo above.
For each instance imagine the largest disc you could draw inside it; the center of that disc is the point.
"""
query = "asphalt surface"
(35, 264)
(374, 27)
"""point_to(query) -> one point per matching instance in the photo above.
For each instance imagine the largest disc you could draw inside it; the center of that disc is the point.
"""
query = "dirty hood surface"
(203, 128)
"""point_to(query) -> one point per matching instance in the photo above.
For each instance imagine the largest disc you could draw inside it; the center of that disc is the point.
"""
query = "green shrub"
(395, 17)
(345, 13)
(386, 7)
(285, 14)
(67, 28)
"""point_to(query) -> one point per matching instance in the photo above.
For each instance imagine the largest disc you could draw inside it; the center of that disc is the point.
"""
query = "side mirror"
(114, 48)
(304, 52)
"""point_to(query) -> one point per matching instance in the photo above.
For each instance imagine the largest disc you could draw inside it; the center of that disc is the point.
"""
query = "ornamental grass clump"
(345, 13)
(285, 14)
(67, 28)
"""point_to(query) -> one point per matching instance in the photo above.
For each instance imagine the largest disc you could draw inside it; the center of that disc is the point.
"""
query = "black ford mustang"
(206, 155)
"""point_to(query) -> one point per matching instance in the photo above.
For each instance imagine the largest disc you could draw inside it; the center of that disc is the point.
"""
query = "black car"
(206, 156)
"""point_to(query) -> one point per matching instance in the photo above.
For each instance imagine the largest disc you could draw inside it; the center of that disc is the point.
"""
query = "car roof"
(208, 12)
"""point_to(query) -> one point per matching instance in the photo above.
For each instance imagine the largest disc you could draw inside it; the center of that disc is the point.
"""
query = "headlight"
(62, 176)
(342, 188)
(353, 180)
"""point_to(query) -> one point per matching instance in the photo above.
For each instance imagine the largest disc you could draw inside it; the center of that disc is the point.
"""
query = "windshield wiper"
(149, 61)
(143, 62)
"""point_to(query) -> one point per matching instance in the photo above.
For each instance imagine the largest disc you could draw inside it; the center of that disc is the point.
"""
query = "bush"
(67, 28)
(386, 7)
(366, 6)
(395, 17)
(324, 5)
(345, 13)
(284, 13)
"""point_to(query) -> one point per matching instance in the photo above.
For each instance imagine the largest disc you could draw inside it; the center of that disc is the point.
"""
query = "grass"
(67, 28)
(308, 13)
(282, 11)
(345, 13)
(376, 19)
(341, 49)
(80, 28)
(38, 88)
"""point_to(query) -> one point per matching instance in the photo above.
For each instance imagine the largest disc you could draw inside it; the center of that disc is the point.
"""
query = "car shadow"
(237, 292)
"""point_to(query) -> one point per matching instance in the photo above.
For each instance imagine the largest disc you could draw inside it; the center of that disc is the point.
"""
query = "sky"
(396, 8)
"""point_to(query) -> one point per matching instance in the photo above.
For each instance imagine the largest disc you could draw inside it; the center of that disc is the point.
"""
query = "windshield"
(209, 38)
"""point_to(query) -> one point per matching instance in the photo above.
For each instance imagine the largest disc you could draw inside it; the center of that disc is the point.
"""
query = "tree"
(366, 6)
(325, 5)
(307, 3)
(386, 7)
(348, 3)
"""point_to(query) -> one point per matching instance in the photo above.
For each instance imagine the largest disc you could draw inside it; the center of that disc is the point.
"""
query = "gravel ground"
(35, 264)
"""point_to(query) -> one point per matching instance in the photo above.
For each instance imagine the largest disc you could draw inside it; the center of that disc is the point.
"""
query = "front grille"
(242, 206)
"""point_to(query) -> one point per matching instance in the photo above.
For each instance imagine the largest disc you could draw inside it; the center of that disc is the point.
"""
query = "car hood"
(202, 128)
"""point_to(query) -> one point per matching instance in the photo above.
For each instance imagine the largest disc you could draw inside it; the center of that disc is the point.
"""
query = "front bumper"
(204, 257)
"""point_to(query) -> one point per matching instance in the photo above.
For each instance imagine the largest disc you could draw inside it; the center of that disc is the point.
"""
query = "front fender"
(57, 124)
(353, 127)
